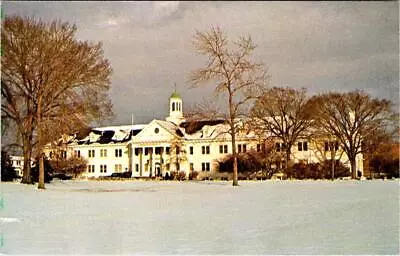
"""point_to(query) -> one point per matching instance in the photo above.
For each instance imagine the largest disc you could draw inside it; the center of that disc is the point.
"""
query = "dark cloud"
(322, 46)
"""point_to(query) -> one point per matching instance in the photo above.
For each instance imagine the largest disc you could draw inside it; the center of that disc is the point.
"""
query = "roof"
(175, 95)
(194, 126)
(171, 127)
(107, 135)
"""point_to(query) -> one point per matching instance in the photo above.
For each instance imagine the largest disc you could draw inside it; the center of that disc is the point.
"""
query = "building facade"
(162, 146)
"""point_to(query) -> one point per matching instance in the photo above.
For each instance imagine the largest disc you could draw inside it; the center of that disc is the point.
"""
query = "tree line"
(354, 119)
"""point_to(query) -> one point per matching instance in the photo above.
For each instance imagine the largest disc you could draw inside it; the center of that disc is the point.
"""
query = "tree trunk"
(287, 159)
(40, 145)
(235, 163)
(26, 178)
(235, 171)
(41, 172)
(353, 167)
(333, 156)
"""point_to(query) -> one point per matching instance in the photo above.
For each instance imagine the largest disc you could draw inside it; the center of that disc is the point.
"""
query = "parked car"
(61, 176)
(121, 174)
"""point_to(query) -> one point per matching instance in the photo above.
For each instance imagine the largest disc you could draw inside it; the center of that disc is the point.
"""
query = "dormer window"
(156, 130)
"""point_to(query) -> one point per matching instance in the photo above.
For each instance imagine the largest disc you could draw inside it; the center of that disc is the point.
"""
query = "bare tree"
(207, 109)
(353, 118)
(285, 114)
(235, 74)
(51, 83)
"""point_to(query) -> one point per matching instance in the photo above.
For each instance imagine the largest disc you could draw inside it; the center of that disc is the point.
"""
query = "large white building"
(173, 144)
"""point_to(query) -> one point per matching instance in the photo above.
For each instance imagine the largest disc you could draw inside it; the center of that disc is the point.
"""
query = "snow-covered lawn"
(137, 217)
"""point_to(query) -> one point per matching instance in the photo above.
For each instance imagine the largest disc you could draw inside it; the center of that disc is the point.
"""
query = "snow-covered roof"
(210, 132)
(171, 127)
(108, 134)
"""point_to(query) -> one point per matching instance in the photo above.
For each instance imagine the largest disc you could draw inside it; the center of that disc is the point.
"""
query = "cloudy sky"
(322, 46)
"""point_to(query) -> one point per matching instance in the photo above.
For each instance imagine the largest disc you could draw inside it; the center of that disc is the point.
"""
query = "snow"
(139, 217)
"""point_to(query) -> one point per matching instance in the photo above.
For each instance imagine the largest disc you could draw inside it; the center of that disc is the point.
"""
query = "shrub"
(340, 169)
(224, 176)
(250, 161)
(74, 166)
(178, 176)
(204, 176)
(317, 170)
(193, 175)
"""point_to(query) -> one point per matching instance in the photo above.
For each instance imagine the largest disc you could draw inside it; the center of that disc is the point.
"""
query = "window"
(258, 147)
(205, 166)
(118, 168)
(173, 106)
(137, 167)
(330, 145)
(302, 146)
(148, 151)
(167, 166)
(90, 168)
(205, 150)
(118, 152)
(77, 153)
(158, 150)
(167, 150)
(305, 146)
(280, 146)
(91, 153)
(223, 149)
(63, 154)
(156, 130)
(191, 167)
(51, 155)
(103, 152)
(191, 150)
(103, 168)
(138, 151)
(241, 148)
